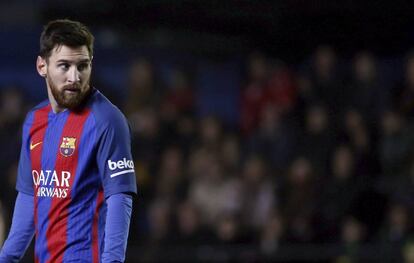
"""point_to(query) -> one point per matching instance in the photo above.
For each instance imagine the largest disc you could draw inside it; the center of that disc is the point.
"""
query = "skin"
(67, 73)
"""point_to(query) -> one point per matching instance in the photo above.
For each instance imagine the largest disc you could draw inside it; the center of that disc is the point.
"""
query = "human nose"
(73, 75)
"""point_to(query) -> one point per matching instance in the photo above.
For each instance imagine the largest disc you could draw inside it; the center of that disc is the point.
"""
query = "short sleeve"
(24, 181)
(115, 162)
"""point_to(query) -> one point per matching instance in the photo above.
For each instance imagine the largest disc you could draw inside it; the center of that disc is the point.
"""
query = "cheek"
(85, 76)
(56, 77)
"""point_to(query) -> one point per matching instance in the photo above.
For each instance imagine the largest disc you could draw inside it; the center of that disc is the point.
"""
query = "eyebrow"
(71, 61)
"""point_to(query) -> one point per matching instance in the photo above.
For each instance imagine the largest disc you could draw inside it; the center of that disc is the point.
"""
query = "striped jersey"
(70, 162)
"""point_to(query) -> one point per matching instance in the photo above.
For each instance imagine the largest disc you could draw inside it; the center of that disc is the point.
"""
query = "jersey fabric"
(70, 162)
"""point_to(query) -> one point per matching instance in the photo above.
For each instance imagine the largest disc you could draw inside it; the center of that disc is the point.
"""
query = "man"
(76, 176)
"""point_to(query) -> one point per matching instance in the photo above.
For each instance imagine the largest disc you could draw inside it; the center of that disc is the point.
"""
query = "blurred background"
(262, 130)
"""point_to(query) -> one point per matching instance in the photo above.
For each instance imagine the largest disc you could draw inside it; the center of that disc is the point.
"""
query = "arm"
(21, 231)
(117, 227)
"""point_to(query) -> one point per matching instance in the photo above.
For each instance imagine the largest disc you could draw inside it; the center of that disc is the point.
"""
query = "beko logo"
(122, 164)
(126, 165)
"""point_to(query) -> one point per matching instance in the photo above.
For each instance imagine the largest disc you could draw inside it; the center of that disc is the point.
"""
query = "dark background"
(211, 43)
(287, 29)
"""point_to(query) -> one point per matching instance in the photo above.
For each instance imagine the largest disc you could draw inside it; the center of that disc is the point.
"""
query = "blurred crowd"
(319, 166)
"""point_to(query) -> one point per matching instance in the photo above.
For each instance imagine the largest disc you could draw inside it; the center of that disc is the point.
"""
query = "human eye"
(64, 66)
(83, 66)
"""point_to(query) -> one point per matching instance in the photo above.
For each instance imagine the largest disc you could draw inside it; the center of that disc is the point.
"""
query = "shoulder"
(44, 105)
(106, 114)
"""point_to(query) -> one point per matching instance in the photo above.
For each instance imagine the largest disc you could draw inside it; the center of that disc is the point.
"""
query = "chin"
(74, 104)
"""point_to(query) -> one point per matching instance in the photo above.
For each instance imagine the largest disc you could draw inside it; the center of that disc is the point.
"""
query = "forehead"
(63, 52)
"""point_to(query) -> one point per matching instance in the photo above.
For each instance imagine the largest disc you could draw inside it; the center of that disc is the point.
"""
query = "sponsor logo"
(68, 146)
(50, 183)
(32, 146)
(121, 164)
(126, 165)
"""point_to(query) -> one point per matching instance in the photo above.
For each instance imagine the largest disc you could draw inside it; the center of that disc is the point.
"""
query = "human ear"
(41, 66)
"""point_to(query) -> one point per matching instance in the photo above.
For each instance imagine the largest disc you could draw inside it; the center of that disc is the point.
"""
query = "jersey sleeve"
(21, 231)
(114, 157)
(24, 181)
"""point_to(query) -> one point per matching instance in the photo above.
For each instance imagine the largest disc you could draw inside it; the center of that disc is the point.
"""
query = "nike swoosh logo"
(32, 146)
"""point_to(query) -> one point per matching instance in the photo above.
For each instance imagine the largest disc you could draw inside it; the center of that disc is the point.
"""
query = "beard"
(70, 100)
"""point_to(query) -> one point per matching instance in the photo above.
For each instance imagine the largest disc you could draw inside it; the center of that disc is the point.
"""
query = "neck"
(55, 107)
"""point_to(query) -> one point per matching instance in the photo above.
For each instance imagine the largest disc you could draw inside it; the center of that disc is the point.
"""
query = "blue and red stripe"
(59, 210)
(36, 135)
(85, 188)
(95, 228)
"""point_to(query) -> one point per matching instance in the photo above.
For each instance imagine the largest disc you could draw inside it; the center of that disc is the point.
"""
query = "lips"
(71, 89)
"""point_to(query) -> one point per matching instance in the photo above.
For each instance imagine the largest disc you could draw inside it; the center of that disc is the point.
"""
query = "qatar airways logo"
(126, 165)
(50, 183)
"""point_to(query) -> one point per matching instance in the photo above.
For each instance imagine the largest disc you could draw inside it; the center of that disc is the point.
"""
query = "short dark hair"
(64, 32)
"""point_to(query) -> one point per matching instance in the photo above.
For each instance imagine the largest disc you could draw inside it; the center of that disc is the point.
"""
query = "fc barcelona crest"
(67, 148)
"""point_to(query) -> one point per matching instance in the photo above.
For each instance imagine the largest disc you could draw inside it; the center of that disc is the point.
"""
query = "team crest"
(67, 148)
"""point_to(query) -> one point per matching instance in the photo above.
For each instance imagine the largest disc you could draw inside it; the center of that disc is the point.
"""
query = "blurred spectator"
(368, 206)
(408, 252)
(147, 140)
(142, 112)
(402, 187)
(395, 231)
(299, 200)
(12, 114)
(252, 98)
(143, 91)
(186, 133)
(396, 144)
(352, 237)
(324, 65)
(316, 140)
(230, 235)
(160, 226)
(364, 93)
(397, 226)
(355, 132)
(212, 192)
(179, 98)
(189, 230)
(159, 218)
(281, 89)
(404, 92)
(325, 81)
(9, 194)
(267, 86)
(227, 230)
(305, 97)
(210, 133)
(340, 191)
(13, 107)
(257, 192)
(177, 110)
(230, 154)
(171, 181)
(272, 236)
(274, 139)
